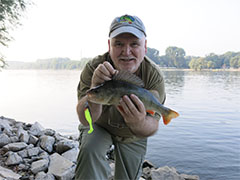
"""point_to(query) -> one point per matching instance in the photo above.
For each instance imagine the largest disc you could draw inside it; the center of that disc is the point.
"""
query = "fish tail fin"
(167, 118)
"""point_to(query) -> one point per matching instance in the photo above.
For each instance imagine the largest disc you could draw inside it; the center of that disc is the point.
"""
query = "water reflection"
(174, 81)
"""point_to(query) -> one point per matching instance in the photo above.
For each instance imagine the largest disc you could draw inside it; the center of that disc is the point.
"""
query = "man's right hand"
(104, 72)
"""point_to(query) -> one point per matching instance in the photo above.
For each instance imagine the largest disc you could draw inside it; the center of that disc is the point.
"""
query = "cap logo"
(126, 19)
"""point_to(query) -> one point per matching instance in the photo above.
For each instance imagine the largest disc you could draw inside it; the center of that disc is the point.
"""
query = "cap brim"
(127, 29)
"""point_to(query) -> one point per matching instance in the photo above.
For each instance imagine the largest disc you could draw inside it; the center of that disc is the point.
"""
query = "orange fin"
(150, 112)
(167, 118)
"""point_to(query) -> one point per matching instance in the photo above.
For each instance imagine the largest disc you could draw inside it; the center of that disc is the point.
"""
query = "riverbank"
(202, 70)
(29, 151)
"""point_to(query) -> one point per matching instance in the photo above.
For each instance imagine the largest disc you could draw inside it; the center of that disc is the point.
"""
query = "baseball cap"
(127, 24)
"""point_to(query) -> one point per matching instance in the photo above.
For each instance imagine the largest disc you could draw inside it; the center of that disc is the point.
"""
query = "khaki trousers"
(92, 163)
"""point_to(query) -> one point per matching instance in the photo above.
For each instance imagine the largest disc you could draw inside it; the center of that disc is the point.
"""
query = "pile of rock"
(163, 173)
(32, 152)
(29, 151)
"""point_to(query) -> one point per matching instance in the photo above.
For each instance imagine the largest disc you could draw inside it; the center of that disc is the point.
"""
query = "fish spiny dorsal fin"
(128, 77)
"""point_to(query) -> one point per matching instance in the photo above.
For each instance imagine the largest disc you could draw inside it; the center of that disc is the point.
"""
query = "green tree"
(153, 54)
(193, 64)
(211, 65)
(234, 62)
(176, 57)
(10, 13)
(198, 63)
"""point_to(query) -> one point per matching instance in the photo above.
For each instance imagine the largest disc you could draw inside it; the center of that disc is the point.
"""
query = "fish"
(126, 83)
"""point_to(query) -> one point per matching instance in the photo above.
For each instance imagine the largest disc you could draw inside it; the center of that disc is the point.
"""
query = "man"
(129, 126)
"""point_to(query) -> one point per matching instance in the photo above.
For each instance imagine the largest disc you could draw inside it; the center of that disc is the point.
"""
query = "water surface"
(204, 140)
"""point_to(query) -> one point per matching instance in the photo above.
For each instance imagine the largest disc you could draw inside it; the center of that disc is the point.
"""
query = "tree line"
(52, 63)
(174, 58)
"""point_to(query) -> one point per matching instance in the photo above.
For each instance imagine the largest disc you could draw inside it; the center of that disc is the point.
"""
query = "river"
(204, 140)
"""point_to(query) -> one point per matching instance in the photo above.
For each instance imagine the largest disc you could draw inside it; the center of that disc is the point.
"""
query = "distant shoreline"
(175, 69)
(162, 68)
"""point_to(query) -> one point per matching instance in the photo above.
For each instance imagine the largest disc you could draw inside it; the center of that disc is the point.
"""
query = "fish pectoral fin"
(151, 112)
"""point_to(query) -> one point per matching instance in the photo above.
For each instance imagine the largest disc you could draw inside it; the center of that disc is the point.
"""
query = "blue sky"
(79, 28)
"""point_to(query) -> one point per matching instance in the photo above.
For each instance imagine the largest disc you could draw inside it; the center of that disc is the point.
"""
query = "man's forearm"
(145, 129)
(95, 110)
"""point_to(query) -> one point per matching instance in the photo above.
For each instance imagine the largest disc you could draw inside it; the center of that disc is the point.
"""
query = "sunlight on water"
(204, 140)
(49, 97)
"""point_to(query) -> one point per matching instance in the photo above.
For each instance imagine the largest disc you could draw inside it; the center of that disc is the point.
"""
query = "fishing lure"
(88, 118)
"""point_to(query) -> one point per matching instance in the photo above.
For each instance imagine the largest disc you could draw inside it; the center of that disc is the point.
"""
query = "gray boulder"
(33, 151)
(23, 153)
(5, 126)
(43, 176)
(40, 165)
(24, 137)
(8, 174)
(46, 142)
(49, 132)
(36, 129)
(15, 146)
(71, 154)
(4, 139)
(33, 139)
(13, 159)
(165, 173)
(65, 145)
(14, 139)
(60, 167)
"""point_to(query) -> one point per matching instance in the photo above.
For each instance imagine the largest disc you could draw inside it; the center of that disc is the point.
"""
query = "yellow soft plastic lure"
(89, 119)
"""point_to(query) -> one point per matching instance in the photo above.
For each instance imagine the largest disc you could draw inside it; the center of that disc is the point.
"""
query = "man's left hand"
(133, 111)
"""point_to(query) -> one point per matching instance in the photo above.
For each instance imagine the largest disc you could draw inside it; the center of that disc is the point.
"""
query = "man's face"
(127, 51)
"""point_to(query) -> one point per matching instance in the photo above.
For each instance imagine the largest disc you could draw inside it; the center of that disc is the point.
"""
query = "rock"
(190, 177)
(23, 167)
(64, 145)
(147, 163)
(60, 167)
(23, 153)
(30, 146)
(14, 139)
(146, 172)
(33, 151)
(13, 159)
(36, 129)
(5, 126)
(44, 155)
(58, 137)
(49, 132)
(164, 173)
(71, 154)
(38, 155)
(33, 139)
(46, 142)
(15, 146)
(43, 176)
(19, 131)
(24, 137)
(8, 174)
(40, 165)
(4, 139)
